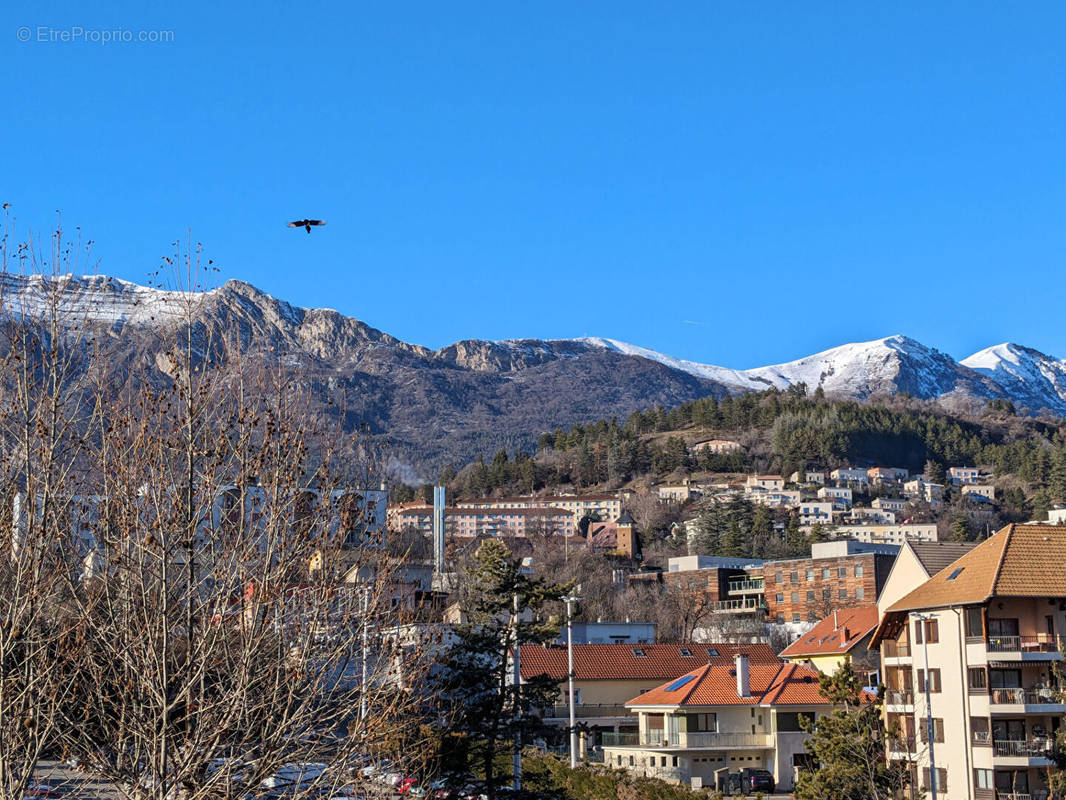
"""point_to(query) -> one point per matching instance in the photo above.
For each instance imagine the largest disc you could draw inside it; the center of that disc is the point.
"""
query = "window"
(860, 593)
(842, 572)
(974, 623)
(712, 652)
(826, 573)
(788, 722)
(704, 723)
(810, 575)
(955, 573)
(796, 617)
(977, 680)
(941, 779)
(938, 730)
(1006, 679)
(858, 572)
(810, 597)
(795, 597)
(638, 653)
(778, 577)
(780, 597)
(982, 779)
(686, 652)
(827, 594)
(934, 680)
(793, 577)
(931, 629)
(843, 594)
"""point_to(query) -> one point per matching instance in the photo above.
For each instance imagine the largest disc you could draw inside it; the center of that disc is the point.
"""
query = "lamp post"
(923, 627)
(570, 600)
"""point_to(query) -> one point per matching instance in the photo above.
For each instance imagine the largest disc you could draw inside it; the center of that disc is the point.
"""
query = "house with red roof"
(842, 637)
(719, 719)
(606, 676)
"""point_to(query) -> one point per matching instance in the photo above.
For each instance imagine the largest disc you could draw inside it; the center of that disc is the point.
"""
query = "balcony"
(1024, 697)
(743, 604)
(744, 586)
(902, 746)
(1022, 748)
(587, 711)
(894, 649)
(899, 697)
(1036, 647)
(658, 739)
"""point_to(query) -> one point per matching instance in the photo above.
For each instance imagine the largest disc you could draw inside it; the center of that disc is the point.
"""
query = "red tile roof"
(716, 685)
(828, 636)
(659, 662)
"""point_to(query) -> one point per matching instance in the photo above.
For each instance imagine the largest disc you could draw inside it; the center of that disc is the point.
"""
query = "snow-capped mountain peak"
(1030, 378)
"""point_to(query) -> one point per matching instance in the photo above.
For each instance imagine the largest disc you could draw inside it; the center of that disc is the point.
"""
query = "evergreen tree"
(481, 699)
(934, 472)
(848, 745)
(732, 542)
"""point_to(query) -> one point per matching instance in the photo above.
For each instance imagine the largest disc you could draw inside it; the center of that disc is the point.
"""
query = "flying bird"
(307, 223)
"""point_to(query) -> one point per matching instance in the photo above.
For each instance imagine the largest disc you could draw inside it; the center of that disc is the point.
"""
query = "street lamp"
(570, 600)
(923, 627)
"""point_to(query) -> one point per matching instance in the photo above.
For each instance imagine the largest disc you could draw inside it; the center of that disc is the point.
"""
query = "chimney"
(743, 675)
(834, 619)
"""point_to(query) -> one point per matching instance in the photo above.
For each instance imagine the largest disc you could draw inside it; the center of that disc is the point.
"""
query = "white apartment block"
(888, 534)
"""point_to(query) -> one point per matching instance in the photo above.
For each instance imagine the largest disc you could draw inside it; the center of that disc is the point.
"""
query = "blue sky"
(735, 183)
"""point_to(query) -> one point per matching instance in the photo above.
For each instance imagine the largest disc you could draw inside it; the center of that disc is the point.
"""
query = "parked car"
(761, 780)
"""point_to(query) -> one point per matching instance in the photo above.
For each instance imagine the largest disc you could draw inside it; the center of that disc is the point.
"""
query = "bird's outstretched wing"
(315, 222)
(299, 223)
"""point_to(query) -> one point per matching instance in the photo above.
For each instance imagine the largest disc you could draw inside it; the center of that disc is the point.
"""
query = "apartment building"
(607, 506)
(770, 483)
(811, 512)
(886, 474)
(839, 496)
(856, 476)
(916, 563)
(964, 474)
(469, 522)
(982, 492)
(889, 534)
(838, 574)
(984, 634)
(729, 584)
(720, 718)
(894, 504)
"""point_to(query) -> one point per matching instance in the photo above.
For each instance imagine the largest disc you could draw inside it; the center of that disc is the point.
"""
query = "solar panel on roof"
(673, 687)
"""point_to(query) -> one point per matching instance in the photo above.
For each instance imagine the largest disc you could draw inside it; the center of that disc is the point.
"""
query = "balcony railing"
(611, 739)
(1023, 748)
(747, 586)
(660, 738)
(742, 604)
(588, 710)
(983, 738)
(1035, 643)
(902, 744)
(1029, 697)
(899, 697)
(894, 649)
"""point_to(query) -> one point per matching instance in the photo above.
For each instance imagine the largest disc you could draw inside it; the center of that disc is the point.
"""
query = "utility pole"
(923, 619)
(570, 600)
(516, 677)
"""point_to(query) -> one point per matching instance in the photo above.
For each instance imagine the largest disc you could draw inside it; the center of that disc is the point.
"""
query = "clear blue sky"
(788, 176)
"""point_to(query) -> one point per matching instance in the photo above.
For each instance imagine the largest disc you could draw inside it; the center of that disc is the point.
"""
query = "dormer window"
(712, 652)
(686, 652)
(639, 653)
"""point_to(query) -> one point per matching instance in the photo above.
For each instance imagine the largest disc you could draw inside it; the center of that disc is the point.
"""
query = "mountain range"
(476, 396)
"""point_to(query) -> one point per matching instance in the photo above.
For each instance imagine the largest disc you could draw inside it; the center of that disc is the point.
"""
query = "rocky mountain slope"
(476, 396)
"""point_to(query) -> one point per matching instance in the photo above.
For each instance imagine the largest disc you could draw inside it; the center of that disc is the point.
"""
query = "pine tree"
(483, 702)
(848, 745)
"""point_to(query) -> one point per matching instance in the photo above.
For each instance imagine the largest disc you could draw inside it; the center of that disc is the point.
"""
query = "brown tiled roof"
(934, 556)
(716, 685)
(660, 662)
(827, 637)
(1018, 561)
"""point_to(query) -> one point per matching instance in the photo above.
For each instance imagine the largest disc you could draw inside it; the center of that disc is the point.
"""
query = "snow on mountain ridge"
(1029, 377)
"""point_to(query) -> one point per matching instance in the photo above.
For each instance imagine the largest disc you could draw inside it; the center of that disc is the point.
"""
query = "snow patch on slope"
(730, 377)
(1029, 376)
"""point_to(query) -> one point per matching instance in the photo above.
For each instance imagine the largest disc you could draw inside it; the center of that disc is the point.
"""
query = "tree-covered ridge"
(782, 432)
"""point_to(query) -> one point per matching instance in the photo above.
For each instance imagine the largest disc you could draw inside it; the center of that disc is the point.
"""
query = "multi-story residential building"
(920, 489)
(964, 474)
(468, 522)
(889, 534)
(886, 474)
(729, 584)
(838, 574)
(677, 492)
(811, 512)
(606, 506)
(839, 496)
(863, 515)
(783, 498)
(841, 638)
(975, 649)
(769, 483)
(894, 504)
(720, 718)
(983, 492)
(855, 476)
(606, 676)
(716, 446)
